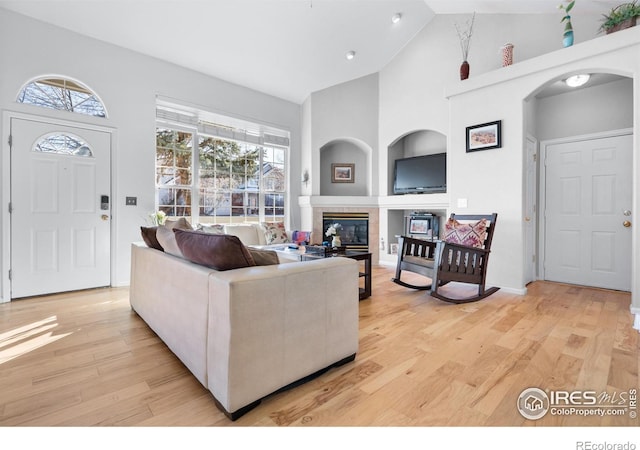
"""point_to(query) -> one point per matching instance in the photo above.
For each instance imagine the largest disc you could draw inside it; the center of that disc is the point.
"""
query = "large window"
(211, 178)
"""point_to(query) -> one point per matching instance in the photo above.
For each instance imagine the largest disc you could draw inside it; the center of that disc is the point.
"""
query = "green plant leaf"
(570, 6)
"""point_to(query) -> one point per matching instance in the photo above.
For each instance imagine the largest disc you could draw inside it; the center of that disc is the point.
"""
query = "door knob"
(105, 217)
(626, 224)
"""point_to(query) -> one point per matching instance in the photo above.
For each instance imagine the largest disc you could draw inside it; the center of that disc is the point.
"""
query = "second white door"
(587, 221)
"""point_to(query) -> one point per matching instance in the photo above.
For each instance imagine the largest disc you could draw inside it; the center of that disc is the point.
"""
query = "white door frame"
(543, 186)
(5, 163)
(531, 216)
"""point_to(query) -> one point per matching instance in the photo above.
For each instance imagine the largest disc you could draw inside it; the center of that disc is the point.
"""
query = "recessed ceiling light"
(396, 17)
(577, 80)
(350, 55)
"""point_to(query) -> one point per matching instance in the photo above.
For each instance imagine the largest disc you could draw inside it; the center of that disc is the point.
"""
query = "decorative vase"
(464, 70)
(567, 40)
(507, 55)
(335, 242)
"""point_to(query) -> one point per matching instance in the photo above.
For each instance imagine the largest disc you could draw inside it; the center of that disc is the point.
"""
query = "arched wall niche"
(413, 143)
(346, 151)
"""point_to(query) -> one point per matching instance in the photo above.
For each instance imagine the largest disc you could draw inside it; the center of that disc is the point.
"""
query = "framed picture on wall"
(484, 136)
(342, 173)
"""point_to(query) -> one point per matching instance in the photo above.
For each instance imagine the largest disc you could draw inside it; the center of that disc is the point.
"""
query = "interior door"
(60, 208)
(588, 197)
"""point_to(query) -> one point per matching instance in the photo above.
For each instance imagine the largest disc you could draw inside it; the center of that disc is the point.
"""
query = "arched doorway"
(584, 182)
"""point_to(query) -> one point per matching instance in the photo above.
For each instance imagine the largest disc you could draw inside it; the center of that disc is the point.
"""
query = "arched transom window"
(62, 94)
(63, 144)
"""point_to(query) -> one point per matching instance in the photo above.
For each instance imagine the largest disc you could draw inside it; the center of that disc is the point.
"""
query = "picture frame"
(484, 136)
(420, 226)
(343, 172)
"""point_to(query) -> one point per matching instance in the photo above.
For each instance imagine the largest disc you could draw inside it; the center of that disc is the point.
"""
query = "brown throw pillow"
(149, 237)
(264, 257)
(218, 251)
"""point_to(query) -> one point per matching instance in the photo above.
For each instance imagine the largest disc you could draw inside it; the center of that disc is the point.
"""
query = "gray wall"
(600, 108)
(128, 83)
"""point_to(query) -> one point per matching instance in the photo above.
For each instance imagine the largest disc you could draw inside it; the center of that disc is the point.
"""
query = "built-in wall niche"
(350, 154)
(416, 143)
(399, 223)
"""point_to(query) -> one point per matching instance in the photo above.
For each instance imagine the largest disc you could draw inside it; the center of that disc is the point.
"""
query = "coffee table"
(365, 273)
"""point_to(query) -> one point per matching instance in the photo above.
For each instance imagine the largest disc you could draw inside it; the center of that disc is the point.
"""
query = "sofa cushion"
(211, 228)
(469, 234)
(264, 257)
(217, 251)
(181, 223)
(247, 233)
(167, 239)
(149, 237)
(274, 233)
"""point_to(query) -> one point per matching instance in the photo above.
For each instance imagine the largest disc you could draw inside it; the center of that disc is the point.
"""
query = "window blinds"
(233, 129)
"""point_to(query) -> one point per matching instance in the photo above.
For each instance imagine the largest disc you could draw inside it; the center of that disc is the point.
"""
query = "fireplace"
(355, 228)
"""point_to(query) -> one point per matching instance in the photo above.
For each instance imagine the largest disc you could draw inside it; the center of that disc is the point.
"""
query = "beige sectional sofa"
(246, 333)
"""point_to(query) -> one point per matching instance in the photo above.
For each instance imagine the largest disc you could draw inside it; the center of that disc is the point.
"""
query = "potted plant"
(621, 17)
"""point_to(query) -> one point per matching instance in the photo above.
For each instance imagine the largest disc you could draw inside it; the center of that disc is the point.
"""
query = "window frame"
(195, 187)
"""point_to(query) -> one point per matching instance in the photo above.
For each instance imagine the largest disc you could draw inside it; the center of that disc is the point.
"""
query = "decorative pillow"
(264, 257)
(217, 251)
(214, 228)
(301, 237)
(471, 235)
(149, 237)
(181, 223)
(167, 240)
(274, 233)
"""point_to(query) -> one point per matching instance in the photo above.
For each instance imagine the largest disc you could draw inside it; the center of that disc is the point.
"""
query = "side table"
(365, 257)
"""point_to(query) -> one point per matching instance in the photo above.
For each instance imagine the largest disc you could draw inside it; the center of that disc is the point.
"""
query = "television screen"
(421, 174)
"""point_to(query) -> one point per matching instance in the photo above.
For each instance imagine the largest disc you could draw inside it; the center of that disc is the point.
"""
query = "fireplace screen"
(354, 233)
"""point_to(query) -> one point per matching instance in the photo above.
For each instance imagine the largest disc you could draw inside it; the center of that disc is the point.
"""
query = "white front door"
(60, 208)
(588, 199)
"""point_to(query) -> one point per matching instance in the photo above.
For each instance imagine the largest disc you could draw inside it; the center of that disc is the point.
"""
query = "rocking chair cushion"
(471, 235)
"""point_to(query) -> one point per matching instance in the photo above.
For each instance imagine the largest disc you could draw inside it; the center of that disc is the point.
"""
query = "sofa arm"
(272, 325)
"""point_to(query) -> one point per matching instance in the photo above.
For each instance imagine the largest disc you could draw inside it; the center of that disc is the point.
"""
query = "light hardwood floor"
(85, 359)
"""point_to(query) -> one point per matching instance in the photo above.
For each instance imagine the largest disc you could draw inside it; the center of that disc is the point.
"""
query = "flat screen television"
(420, 174)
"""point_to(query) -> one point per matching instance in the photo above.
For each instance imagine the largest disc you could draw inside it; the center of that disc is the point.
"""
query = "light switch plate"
(462, 203)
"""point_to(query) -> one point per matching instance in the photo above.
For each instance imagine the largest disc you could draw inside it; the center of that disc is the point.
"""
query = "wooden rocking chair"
(444, 262)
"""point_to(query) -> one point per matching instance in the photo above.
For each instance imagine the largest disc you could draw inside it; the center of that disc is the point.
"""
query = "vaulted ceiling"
(286, 48)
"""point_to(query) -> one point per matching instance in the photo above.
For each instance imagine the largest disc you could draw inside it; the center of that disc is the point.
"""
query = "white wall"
(600, 108)
(128, 83)
(348, 110)
(420, 90)
(493, 179)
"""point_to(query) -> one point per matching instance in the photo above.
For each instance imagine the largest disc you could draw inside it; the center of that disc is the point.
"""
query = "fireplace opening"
(354, 233)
